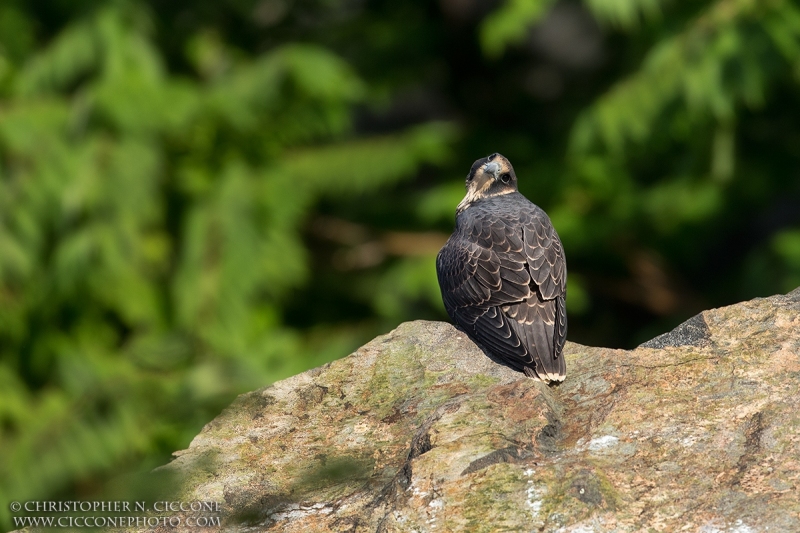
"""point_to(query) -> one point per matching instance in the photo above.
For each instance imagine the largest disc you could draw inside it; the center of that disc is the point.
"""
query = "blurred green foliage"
(199, 198)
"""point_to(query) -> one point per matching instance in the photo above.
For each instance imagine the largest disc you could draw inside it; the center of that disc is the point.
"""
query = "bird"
(503, 274)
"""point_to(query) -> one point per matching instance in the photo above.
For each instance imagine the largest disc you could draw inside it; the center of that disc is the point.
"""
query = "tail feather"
(540, 340)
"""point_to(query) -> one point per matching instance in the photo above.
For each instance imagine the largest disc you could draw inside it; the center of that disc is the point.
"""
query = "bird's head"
(490, 176)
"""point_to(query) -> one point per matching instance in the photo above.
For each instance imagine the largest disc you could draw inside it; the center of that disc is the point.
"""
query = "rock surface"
(696, 430)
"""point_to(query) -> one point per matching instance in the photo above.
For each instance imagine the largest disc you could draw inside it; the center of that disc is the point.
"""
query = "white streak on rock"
(606, 441)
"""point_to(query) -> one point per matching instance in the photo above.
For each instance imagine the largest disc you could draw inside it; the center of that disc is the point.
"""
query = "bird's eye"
(505, 178)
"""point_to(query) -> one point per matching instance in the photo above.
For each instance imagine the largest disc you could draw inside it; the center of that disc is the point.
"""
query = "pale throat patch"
(473, 196)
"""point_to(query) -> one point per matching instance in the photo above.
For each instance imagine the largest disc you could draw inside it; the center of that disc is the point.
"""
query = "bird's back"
(503, 280)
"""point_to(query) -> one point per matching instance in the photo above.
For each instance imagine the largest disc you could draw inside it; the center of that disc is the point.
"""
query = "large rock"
(696, 430)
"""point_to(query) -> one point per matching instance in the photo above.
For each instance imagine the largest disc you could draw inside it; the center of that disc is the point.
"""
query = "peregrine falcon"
(503, 274)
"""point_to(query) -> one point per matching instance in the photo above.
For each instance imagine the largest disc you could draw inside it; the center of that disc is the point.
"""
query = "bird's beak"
(492, 168)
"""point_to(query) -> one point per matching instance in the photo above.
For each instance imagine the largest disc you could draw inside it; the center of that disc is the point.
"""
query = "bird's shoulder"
(509, 212)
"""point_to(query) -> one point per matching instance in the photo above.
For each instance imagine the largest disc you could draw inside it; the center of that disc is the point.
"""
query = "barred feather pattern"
(503, 278)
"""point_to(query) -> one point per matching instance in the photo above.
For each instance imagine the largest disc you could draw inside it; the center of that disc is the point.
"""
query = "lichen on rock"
(418, 430)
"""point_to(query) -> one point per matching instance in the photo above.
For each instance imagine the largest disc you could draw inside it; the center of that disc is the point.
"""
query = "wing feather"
(503, 280)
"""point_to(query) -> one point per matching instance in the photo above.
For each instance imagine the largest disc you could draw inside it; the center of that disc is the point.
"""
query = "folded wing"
(503, 282)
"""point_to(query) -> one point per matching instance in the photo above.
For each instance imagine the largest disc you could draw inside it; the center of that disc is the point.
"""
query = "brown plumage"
(503, 274)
